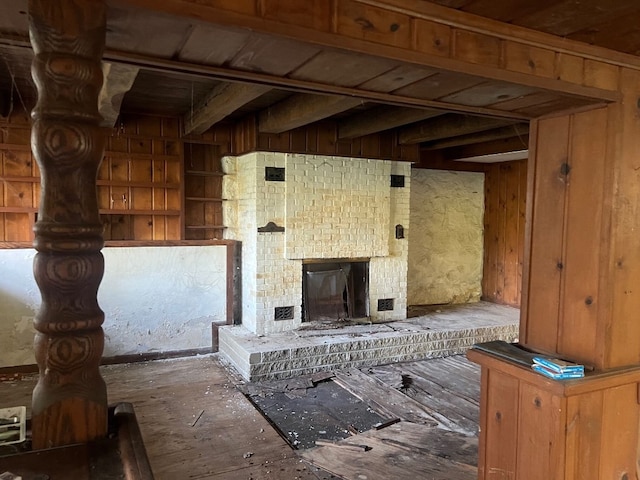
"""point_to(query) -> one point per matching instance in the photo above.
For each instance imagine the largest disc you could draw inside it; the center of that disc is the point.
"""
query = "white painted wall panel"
(154, 299)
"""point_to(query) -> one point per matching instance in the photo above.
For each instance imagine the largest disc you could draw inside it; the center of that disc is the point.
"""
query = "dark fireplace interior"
(335, 290)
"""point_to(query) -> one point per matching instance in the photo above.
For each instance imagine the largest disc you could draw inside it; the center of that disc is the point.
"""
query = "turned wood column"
(70, 400)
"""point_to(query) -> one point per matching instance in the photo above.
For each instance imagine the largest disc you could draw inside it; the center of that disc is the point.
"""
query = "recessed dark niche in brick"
(397, 181)
(385, 304)
(270, 228)
(274, 174)
(283, 313)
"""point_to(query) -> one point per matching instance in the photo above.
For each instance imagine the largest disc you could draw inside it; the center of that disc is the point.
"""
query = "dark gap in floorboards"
(323, 411)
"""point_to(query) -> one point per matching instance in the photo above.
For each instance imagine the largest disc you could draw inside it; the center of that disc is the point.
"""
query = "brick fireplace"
(334, 217)
(292, 210)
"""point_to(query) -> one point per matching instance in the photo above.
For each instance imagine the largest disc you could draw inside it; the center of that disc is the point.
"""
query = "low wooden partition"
(583, 429)
(119, 456)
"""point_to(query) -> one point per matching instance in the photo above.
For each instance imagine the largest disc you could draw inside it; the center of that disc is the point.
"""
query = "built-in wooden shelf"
(138, 212)
(18, 209)
(126, 183)
(141, 156)
(16, 178)
(203, 173)
(204, 199)
(15, 146)
(204, 227)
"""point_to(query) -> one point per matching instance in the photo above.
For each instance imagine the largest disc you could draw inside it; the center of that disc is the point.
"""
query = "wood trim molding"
(336, 29)
(475, 23)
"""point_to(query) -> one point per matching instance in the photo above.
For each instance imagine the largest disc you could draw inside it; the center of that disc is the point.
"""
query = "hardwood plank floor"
(197, 425)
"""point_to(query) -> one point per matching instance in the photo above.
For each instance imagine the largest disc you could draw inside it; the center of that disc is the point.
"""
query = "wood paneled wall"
(504, 219)
(203, 192)
(140, 180)
(321, 138)
(154, 184)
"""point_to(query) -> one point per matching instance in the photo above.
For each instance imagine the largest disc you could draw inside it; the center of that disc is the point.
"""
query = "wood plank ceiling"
(211, 73)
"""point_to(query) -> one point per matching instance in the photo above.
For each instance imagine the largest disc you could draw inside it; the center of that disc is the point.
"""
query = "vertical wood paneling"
(203, 192)
(619, 432)
(322, 138)
(522, 214)
(505, 197)
(492, 182)
(540, 442)
(546, 260)
(501, 424)
(514, 240)
(620, 329)
(584, 436)
(584, 203)
(502, 228)
(141, 158)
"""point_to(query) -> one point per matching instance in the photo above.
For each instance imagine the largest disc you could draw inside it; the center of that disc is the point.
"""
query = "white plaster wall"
(19, 301)
(154, 299)
(446, 237)
(162, 298)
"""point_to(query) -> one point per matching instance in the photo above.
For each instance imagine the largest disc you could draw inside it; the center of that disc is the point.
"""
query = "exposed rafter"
(221, 102)
(299, 110)
(517, 130)
(449, 126)
(382, 118)
(486, 148)
(118, 80)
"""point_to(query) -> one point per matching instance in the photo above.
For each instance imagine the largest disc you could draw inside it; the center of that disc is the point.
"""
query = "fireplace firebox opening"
(335, 290)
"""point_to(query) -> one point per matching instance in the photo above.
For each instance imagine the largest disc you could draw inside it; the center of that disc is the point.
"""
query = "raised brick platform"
(446, 331)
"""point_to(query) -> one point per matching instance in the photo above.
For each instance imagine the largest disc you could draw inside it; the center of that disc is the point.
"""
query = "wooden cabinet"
(583, 429)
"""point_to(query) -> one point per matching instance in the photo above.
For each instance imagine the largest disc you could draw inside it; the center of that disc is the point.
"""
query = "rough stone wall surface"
(154, 298)
(446, 237)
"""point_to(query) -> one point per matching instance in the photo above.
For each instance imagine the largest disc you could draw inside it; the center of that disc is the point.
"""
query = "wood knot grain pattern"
(69, 401)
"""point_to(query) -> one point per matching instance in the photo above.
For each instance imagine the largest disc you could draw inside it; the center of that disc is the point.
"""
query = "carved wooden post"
(70, 400)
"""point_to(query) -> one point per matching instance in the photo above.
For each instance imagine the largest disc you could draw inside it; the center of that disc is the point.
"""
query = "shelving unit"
(151, 186)
(203, 192)
(139, 182)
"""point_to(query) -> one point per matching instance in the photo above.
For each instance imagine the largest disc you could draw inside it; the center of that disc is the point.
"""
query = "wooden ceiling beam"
(118, 80)
(434, 160)
(223, 100)
(175, 67)
(486, 148)
(448, 126)
(424, 34)
(299, 110)
(517, 130)
(382, 118)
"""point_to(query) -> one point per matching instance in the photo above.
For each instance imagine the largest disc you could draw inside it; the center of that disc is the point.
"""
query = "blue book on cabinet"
(558, 366)
(556, 376)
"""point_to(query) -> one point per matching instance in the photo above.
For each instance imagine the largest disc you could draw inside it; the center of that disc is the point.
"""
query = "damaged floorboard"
(403, 450)
(431, 427)
(196, 424)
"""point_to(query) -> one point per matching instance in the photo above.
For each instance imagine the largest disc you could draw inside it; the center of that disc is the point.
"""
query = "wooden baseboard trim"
(18, 371)
(149, 356)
